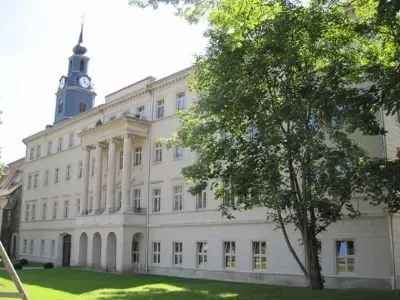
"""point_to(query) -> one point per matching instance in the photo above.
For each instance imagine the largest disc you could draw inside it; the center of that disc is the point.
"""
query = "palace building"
(101, 191)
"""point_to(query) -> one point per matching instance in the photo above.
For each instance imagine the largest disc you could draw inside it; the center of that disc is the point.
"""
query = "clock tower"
(75, 91)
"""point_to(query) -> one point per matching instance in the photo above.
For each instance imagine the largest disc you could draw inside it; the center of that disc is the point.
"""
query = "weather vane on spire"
(79, 49)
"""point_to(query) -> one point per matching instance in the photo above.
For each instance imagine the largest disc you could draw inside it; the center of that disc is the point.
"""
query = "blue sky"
(125, 44)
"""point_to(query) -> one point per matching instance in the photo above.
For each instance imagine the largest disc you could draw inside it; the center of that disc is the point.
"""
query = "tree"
(280, 92)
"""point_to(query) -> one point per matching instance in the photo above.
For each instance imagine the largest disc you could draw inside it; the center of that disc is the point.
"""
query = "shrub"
(18, 266)
(48, 265)
(23, 261)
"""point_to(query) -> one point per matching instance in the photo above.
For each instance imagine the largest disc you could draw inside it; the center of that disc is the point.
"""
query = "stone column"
(111, 175)
(86, 171)
(97, 178)
(126, 172)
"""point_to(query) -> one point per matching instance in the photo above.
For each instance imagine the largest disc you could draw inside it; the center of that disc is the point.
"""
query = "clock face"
(62, 82)
(84, 82)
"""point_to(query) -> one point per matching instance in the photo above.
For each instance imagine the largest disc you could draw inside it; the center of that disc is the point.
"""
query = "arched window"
(82, 66)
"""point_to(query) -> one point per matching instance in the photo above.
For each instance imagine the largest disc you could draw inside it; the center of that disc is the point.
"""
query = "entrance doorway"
(66, 250)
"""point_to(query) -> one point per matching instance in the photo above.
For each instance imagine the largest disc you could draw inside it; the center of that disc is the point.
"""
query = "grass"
(73, 284)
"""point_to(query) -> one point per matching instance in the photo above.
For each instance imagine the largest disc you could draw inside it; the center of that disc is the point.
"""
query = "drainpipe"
(390, 215)
(148, 185)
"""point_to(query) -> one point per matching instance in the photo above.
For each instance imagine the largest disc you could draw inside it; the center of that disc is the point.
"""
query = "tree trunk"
(311, 249)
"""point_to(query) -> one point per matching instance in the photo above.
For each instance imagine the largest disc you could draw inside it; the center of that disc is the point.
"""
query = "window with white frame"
(156, 252)
(55, 207)
(53, 248)
(60, 144)
(38, 151)
(80, 169)
(140, 112)
(177, 253)
(42, 247)
(156, 200)
(136, 199)
(29, 185)
(92, 166)
(32, 247)
(135, 252)
(178, 198)
(32, 153)
(49, 147)
(68, 173)
(121, 160)
(71, 140)
(44, 211)
(178, 153)
(137, 159)
(259, 252)
(57, 175)
(25, 246)
(78, 206)
(66, 209)
(33, 212)
(201, 254)
(201, 200)
(27, 206)
(345, 258)
(180, 101)
(160, 109)
(35, 180)
(158, 152)
(229, 254)
(46, 178)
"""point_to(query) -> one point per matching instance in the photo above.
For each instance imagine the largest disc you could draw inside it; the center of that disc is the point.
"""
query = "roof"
(12, 179)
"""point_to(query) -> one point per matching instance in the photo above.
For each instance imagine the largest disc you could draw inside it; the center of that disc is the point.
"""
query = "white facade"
(148, 221)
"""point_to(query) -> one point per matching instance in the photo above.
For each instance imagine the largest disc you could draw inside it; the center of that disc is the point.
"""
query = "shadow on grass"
(108, 286)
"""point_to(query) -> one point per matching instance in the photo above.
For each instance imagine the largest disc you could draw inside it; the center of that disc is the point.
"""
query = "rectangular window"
(33, 212)
(53, 248)
(137, 160)
(177, 253)
(180, 101)
(71, 140)
(55, 206)
(140, 112)
(156, 200)
(121, 160)
(136, 199)
(66, 209)
(345, 258)
(32, 247)
(92, 167)
(201, 200)
(49, 147)
(178, 153)
(25, 247)
(178, 198)
(158, 152)
(229, 255)
(60, 144)
(42, 247)
(57, 175)
(156, 252)
(80, 168)
(35, 180)
(38, 151)
(46, 178)
(29, 182)
(68, 172)
(259, 255)
(160, 109)
(135, 252)
(44, 211)
(26, 212)
(201, 254)
(32, 153)
(78, 207)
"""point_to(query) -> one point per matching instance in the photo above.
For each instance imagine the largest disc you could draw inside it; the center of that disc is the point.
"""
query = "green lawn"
(71, 284)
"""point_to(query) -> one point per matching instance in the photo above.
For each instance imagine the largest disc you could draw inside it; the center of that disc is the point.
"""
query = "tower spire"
(79, 49)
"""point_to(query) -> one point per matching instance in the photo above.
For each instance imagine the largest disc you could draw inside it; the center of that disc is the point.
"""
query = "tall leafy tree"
(282, 87)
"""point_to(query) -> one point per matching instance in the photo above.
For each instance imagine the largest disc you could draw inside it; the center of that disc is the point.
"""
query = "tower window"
(82, 66)
(82, 107)
(60, 106)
